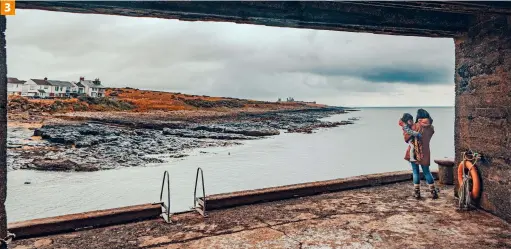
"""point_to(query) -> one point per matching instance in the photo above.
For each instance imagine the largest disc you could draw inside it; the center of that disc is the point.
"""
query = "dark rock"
(108, 144)
(86, 168)
(38, 133)
(310, 128)
(247, 131)
(179, 156)
(54, 165)
(204, 134)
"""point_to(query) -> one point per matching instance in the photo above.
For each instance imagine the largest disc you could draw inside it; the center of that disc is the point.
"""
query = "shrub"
(216, 103)
(106, 103)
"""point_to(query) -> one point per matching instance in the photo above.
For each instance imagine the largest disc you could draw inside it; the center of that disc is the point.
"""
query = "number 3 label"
(8, 8)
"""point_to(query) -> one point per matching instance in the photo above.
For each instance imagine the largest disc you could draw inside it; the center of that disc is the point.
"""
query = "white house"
(61, 88)
(93, 88)
(55, 88)
(15, 86)
(37, 87)
(78, 90)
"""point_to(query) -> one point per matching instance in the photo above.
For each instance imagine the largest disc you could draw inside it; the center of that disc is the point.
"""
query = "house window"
(32, 87)
(45, 87)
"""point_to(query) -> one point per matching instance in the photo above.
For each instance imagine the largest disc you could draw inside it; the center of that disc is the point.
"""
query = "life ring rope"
(466, 192)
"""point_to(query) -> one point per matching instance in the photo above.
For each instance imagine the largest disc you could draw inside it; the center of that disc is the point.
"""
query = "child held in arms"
(406, 123)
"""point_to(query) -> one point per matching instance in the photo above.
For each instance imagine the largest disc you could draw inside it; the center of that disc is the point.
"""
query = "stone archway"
(481, 30)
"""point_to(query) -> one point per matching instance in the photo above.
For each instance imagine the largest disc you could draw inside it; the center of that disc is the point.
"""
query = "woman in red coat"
(424, 125)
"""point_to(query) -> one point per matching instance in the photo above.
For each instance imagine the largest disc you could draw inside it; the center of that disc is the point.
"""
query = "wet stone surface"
(376, 217)
(112, 143)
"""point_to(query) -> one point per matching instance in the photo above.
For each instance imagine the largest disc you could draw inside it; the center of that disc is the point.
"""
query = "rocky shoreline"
(99, 142)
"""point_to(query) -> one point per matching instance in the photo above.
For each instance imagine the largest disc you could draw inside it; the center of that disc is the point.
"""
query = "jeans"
(416, 174)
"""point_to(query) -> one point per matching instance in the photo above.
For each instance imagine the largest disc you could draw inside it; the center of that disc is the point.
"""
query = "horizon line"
(399, 106)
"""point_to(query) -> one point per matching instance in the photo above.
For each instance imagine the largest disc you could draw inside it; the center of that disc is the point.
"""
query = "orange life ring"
(476, 182)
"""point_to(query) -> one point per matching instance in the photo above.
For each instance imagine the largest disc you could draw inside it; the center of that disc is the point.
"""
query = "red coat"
(427, 130)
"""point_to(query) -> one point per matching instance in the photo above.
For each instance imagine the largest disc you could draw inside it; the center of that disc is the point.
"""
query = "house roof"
(79, 84)
(89, 83)
(41, 91)
(60, 83)
(15, 81)
(41, 82)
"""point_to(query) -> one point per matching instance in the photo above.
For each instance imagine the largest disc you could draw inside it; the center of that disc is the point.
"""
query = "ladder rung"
(200, 201)
(201, 212)
(164, 207)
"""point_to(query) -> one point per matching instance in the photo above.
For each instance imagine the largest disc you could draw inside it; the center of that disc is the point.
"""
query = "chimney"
(45, 78)
(82, 78)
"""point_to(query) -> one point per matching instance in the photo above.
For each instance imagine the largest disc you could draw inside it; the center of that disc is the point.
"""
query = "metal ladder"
(199, 203)
(165, 209)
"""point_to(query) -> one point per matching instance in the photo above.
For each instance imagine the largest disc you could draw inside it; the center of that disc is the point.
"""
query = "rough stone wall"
(3, 128)
(483, 106)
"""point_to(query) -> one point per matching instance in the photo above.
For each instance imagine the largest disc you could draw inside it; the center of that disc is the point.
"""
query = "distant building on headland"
(45, 88)
(291, 99)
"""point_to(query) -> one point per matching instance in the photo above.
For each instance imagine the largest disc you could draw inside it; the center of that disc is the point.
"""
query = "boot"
(434, 191)
(417, 192)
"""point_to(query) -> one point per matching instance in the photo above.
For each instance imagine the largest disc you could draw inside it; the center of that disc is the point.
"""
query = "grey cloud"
(404, 75)
(376, 74)
(220, 58)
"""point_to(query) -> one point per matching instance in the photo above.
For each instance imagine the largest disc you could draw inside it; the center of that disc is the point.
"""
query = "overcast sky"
(227, 59)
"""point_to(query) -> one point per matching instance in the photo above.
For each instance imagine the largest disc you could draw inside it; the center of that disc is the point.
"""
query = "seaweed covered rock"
(60, 165)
